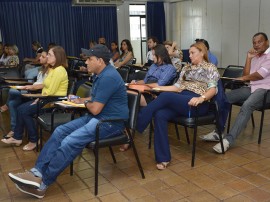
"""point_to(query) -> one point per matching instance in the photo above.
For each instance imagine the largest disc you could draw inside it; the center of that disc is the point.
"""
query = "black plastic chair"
(48, 121)
(134, 60)
(123, 138)
(230, 72)
(124, 72)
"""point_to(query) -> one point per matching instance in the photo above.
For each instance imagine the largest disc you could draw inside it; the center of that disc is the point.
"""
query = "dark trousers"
(167, 106)
(25, 114)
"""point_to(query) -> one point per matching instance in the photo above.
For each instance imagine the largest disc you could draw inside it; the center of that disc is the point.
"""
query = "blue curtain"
(156, 20)
(55, 21)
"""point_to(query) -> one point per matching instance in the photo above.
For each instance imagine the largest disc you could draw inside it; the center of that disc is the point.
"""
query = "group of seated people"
(9, 55)
(197, 83)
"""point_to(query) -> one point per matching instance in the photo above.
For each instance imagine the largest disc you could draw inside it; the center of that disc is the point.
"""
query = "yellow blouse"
(56, 83)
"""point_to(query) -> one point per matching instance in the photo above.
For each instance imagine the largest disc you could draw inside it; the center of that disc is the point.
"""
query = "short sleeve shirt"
(261, 64)
(110, 90)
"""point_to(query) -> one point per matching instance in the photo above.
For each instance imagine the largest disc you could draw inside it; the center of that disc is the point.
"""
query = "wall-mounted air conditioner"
(97, 2)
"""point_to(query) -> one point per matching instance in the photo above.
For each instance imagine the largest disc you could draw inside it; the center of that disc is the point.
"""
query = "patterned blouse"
(13, 61)
(198, 78)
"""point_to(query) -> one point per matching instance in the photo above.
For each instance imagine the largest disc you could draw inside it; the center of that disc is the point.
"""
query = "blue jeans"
(13, 101)
(67, 142)
(25, 113)
(164, 108)
(31, 73)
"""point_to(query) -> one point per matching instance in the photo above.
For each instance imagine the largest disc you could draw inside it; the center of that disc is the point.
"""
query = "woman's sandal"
(12, 141)
(162, 165)
(9, 135)
(30, 146)
(124, 147)
(3, 108)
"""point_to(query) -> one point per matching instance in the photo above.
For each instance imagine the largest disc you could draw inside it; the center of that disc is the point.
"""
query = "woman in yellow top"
(56, 83)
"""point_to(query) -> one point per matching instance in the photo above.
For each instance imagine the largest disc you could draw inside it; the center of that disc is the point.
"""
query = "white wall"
(228, 25)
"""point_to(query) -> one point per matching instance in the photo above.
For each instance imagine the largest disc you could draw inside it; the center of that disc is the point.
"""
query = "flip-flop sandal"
(162, 165)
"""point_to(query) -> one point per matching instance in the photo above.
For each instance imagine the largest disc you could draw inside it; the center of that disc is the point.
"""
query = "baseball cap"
(100, 51)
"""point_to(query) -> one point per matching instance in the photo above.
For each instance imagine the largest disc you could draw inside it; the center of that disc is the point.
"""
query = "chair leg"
(229, 120)
(96, 170)
(261, 126)
(71, 168)
(137, 157)
(187, 135)
(150, 135)
(252, 120)
(112, 154)
(194, 146)
(176, 130)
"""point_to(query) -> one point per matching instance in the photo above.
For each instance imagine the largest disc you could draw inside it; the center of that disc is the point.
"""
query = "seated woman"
(161, 73)
(175, 54)
(15, 98)
(13, 60)
(56, 83)
(37, 48)
(5, 56)
(196, 84)
(114, 51)
(127, 54)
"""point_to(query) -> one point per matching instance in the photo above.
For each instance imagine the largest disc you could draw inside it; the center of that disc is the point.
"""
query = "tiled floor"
(242, 174)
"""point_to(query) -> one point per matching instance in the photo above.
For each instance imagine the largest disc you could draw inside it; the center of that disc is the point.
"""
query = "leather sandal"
(162, 165)
(9, 135)
(12, 141)
(30, 146)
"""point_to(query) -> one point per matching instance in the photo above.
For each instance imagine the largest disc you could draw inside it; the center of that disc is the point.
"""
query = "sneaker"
(26, 179)
(226, 145)
(213, 137)
(31, 191)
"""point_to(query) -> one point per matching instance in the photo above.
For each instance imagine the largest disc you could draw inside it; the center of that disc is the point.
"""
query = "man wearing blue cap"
(108, 101)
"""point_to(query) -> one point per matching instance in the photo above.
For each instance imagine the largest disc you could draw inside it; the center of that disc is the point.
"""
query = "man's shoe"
(211, 137)
(226, 145)
(31, 191)
(26, 179)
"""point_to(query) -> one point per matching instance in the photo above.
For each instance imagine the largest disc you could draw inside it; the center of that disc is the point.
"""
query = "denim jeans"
(67, 142)
(13, 101)
(25, 113)
(31, 73)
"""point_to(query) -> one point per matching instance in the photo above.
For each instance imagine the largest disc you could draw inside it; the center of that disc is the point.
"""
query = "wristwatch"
(204, 98)
(85, 102)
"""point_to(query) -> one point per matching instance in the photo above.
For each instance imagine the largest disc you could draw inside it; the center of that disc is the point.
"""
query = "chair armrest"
(233, 83)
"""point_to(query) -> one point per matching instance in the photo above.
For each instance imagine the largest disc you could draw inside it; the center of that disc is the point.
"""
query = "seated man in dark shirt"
(107, 101)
